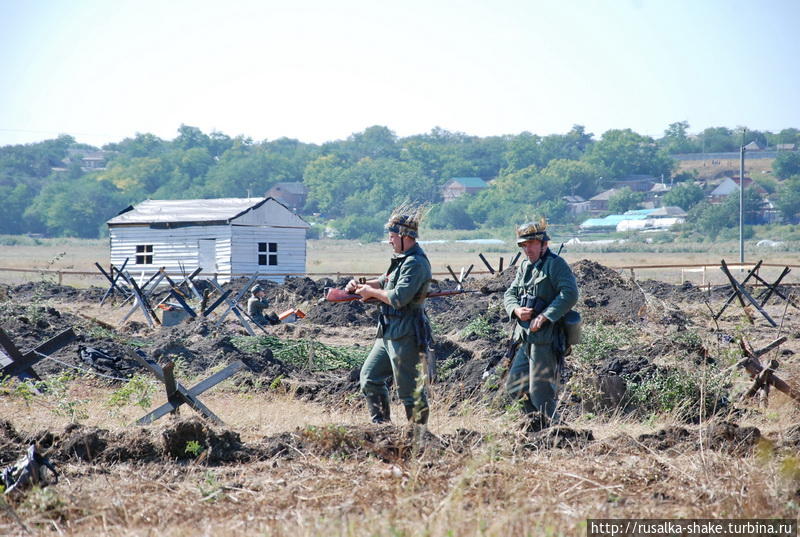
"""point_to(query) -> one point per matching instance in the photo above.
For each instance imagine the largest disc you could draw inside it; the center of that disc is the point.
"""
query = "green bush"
(681, 391)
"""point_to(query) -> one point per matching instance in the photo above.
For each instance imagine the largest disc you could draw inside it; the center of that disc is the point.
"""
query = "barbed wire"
(85, 371)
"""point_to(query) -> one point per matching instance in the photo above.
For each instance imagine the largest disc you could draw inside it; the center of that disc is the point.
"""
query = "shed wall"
(171, 247)
(291, 250)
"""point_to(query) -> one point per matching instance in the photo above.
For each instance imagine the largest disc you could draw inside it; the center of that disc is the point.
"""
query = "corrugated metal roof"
(639, 211)
(669, 211)
(611, 220)
(471, 182)
(173, 211)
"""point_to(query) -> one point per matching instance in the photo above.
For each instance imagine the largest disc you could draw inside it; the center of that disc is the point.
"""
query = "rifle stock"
(340, 295)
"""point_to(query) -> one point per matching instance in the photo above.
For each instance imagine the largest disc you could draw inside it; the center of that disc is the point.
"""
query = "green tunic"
(401, 330)
(535, 366)
(255, 309)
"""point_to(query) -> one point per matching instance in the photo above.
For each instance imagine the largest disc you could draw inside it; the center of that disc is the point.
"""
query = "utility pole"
(741, 198)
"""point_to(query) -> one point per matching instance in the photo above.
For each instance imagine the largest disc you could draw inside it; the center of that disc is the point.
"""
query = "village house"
(599, 203)
(88, 159)
(458, 186)
(637, 183)
(293, 195)
(729, 186)
(576, 204)
(227, 238)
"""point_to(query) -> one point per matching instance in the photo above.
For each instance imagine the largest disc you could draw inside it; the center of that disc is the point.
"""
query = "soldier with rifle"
(256, 306)
(403, 328)
(542, 293)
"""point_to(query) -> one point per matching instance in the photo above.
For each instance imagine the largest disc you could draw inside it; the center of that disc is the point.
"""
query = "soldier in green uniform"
(257, 304)
(403, 330)
(543, 291)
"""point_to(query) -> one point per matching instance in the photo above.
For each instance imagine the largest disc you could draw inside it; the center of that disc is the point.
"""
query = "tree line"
(352, 183)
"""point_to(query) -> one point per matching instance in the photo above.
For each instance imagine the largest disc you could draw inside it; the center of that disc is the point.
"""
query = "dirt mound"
(605, 296)
(10, 443)
(388, 443)
(559, 437)
(44, 290)
(354, 313)
(723, 436)
(184, 439)
(187, 438)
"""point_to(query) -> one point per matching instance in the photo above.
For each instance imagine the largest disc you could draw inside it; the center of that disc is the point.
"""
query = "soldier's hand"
(351, 286)
(523, 314)
(538, 322)
(364, 290)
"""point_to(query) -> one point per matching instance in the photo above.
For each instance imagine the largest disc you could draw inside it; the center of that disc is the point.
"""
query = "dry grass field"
(494, 484)
(296, 460)
(332, 257)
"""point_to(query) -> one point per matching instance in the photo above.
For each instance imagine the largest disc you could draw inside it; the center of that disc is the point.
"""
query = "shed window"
(267, 253)
(144, 254)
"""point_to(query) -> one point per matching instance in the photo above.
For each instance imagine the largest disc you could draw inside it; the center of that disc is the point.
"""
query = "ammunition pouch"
(535, 303)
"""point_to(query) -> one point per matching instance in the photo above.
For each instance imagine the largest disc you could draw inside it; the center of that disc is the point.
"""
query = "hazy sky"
(321, 70)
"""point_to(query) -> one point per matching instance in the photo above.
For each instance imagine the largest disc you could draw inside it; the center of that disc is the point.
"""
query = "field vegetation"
(296, 455)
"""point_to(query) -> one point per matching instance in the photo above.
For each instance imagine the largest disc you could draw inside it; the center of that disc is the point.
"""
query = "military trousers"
(398, 358)
(535, 370)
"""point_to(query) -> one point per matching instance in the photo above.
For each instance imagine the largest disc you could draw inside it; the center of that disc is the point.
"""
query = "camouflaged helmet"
(256, 288)
(532, 231)
(405, 220)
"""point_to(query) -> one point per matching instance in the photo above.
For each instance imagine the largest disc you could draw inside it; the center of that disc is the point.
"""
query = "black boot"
(386, 408)
(527, 406)
(378, 407)
(418, 415)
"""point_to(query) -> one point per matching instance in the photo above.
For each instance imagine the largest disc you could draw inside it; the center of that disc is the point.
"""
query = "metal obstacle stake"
(233, 304)
(207, 311)
(177, 394)
(485, 262)
(764, 377)
(189, 281)
(113, 281)
(140, 302)
(773, 289)
(735, 293)
(461, 278)
(20, 365)
(233, 307)
(742, 292)
(157, 276)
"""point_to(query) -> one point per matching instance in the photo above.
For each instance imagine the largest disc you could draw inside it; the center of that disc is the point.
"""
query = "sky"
(320, 70)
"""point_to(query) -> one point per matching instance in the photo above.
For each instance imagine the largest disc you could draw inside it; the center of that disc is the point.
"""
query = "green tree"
(451, 215)
(624, 152)
(788, 136)
(362, 227)
(709, 219)
(624, 200)
(788, 198)
(76, 209)
(189, 137)
(676, 139)
(579, 177)
(141, 145)
(519, 195)
(684, 195)
(718, 140)
(786, 164)
(15, 199)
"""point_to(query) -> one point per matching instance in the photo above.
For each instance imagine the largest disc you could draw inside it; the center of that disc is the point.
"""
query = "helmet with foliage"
(533, 231)
(405, 219)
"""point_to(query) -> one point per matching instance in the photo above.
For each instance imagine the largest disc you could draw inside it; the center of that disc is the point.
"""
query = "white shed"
(228, 236)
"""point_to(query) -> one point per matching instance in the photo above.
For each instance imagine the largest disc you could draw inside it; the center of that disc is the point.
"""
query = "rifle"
(340, 295)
